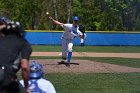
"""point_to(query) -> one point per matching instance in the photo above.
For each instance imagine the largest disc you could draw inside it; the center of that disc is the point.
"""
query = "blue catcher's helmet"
(36, 70)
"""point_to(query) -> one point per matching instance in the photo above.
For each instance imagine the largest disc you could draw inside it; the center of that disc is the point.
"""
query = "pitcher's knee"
(70, 45)
(69, 49)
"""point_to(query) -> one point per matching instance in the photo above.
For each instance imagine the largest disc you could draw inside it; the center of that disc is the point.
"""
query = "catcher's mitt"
(82, 28)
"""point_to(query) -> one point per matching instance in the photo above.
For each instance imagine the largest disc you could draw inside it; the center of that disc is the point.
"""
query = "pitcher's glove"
(82, 28)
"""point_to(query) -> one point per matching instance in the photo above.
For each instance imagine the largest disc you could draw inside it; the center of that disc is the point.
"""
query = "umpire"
(15, 52)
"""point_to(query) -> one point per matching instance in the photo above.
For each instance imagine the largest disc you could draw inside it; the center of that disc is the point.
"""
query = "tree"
(99, 13)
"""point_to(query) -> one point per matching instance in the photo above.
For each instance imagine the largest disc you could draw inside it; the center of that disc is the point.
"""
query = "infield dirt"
(86, 66)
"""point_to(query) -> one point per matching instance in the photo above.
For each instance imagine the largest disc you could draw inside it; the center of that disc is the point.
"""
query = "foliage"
(95, 14)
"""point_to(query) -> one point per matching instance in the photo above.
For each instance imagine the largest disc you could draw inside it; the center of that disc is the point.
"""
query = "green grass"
(95, 83)
(131, 62)
(107, 49)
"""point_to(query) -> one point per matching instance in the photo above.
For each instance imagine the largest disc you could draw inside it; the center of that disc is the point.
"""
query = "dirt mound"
(85, 66)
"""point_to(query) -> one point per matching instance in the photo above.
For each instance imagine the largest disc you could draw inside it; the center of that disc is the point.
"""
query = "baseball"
(47, 13)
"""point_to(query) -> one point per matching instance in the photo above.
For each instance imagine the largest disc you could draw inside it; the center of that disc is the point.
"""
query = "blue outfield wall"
(93, 38)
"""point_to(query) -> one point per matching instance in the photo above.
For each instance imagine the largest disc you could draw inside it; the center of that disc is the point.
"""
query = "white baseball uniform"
(67, 38)
(40, 86)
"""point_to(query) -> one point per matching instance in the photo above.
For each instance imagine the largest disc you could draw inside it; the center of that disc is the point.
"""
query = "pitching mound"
(85, 66)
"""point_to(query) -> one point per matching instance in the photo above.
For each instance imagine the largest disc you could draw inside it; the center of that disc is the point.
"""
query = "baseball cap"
(75, 18)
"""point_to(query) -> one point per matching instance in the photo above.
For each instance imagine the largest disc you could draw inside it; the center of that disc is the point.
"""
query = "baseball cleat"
(67, 64)
(62, 62)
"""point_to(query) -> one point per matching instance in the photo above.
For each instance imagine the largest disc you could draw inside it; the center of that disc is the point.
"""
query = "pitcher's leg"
(64, 50)
(70, 45)
(82, 42)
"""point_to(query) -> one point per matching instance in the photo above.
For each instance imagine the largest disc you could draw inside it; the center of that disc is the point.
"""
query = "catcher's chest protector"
(33, 86)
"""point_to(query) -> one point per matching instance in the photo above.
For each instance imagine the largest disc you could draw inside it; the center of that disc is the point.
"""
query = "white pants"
(66, 47)
(82, 40)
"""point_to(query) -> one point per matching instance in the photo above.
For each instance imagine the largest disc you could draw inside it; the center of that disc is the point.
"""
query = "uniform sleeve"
(26, 51)
(46, 86)
(79, 33)
(66, 27)
(50, 88)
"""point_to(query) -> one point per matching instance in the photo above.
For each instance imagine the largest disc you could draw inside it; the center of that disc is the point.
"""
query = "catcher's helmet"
(36, 70)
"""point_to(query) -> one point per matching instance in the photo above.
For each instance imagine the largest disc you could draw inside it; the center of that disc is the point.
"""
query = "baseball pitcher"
(70, 32)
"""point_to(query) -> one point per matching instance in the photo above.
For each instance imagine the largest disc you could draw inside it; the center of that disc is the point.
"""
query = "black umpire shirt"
(11, 47)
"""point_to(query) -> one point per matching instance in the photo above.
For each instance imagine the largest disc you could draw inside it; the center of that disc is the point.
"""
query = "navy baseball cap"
(75, 18)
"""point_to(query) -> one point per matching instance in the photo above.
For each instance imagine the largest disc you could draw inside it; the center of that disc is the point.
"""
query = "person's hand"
(51, 18)
(28, 90)
(82, 36)
(2, 27)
